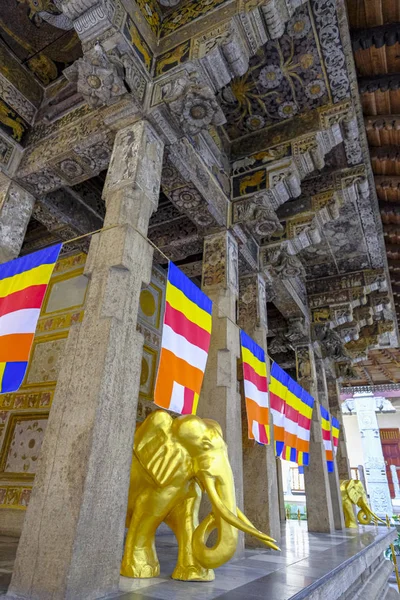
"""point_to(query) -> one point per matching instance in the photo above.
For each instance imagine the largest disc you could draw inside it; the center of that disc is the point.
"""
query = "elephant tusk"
(376, 516)
(240, 523)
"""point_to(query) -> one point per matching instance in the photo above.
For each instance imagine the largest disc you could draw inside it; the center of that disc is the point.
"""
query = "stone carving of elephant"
(174, 460)
(353, 493)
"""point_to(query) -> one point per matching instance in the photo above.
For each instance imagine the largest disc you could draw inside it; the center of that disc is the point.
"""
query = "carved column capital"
(220, 262)
(252, 303)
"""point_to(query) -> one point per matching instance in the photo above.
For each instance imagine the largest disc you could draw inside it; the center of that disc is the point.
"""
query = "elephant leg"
(140, 557)
(183, 520)
(349, 517)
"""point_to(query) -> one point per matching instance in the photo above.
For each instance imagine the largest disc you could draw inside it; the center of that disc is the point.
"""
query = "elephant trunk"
(226, 518)
(227, 536)
(365, 514)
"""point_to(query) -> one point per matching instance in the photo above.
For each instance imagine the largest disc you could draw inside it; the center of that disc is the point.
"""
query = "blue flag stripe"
(47, 256)
(191, 291)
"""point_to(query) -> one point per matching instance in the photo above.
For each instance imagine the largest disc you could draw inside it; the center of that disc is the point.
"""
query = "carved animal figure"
(251, 181)
(15, 123)
(173, 459)
(49, 11)
(172, 58)
(353, 493)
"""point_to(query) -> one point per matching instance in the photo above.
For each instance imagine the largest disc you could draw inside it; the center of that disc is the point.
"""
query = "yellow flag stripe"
(2, 367)
(277, 388)
(326, 425)
(259, 367)
(177, 299)
(37, 276)
(305, 410)
(292, 400)
(195, 403)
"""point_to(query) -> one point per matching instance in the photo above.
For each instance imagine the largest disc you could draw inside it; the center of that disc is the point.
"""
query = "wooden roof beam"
(382, 35)
(389, 81)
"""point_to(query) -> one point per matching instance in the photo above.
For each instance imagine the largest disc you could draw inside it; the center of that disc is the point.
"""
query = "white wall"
(353, 438)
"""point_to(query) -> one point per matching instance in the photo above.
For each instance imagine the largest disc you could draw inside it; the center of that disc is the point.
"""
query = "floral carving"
(193, 103)
(100, 81)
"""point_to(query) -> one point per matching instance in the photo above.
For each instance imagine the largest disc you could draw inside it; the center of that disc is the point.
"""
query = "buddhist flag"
(291, 419)
(23, 284)
(255, 389)
(304, 427)
(335, 434)
(184, 344)
(277, 400)
(326, 437)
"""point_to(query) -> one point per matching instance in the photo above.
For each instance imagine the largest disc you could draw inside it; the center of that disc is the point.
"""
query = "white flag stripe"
(19, 321)
(177, 398)
(256, 431)
(303, 434)
(290, 426)
(252, 392)
(278, 418)
(327, 444)
(195, 356)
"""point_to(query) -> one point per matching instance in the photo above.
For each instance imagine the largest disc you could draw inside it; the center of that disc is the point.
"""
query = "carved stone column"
(333, 478)
(16, 206)
(342, 458)
(374, 462)
(72, 540)
(281, 498)
(395, 479)
(260, 484)
(316, 481)
(220, 398)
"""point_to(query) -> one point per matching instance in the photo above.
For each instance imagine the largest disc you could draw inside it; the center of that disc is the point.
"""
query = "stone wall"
(23, 415)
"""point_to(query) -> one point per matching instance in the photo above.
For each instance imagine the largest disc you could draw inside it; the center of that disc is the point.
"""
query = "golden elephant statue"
(353, 493)
(173, 461)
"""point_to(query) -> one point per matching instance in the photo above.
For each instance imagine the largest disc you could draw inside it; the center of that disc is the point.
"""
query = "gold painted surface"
(45, 360)
(64, 294)
(353, 493)
(16, 497)
(173, 459)
(22, 445)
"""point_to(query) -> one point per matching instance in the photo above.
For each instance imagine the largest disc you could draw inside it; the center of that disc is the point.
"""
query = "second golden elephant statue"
(174, 460)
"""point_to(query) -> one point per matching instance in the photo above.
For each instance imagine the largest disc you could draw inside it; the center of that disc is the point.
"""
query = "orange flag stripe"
(176, 369)
(15, 347)
(256, 412)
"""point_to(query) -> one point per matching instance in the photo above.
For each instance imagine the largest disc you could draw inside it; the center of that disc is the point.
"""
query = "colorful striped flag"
(306, 406)
(184, 345)
(23, 284)
(335, 434)
(291, 420)
(255, 389)
(277, 400)
(326, 437)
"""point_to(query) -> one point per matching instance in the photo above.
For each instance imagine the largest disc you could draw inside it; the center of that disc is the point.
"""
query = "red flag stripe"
(262, 434)
(188, 398)
(291, 413)
(250, 374)
(183, 326)
(304, 422)
(326, 435)
(276, 402)
(31, 297)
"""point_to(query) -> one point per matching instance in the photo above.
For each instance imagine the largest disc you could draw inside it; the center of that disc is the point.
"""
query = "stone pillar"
(260, 483)
(334, 484)
(374, 463)
(395, 480)
(72, 540)
(342, 458)
(281, 497)
(316, 481)
(220, 397)
(16, 206)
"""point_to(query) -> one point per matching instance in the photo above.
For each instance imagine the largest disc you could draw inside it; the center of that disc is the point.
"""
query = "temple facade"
(254, 144)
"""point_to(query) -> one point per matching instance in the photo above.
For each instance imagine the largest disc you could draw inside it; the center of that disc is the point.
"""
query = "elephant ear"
(353, 491)
(156, 450)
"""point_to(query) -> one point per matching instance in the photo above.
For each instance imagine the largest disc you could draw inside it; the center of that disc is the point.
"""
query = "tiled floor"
(305, 557)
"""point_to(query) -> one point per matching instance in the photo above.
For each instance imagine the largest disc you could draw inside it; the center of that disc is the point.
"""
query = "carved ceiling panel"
(40, 35)
(285, 78)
